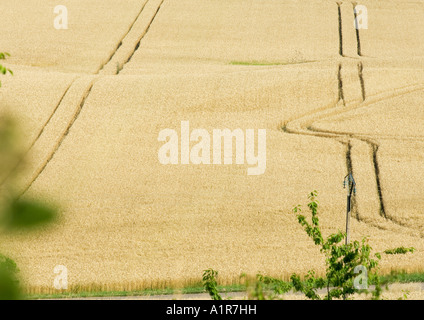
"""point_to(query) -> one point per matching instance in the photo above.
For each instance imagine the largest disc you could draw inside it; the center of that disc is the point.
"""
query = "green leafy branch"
(210, 283)
(16, 213)
(3, 69)
(341, 260)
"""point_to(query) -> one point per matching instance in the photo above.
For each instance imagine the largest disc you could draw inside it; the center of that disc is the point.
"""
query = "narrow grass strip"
(264, 63)
(395, 277)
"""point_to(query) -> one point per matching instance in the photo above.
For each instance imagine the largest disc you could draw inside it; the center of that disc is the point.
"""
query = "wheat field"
(92, 100)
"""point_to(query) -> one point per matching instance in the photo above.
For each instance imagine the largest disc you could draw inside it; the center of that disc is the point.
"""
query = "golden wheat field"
(92, 100)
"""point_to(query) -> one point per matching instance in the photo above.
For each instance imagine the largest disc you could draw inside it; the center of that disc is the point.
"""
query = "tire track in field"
(144, 34)
(131, 41)
(349, 167)
(52, 114)
(304, 124)
(358, 38)
(361, 80)
(377, 179)
(88, 89)
(340, 85)
(56, 147)
(339, 10)
(20, 161)
(122, 39)
(366, 102)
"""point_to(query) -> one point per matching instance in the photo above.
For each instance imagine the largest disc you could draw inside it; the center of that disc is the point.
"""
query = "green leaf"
(3, 55)
(9, 289)
(9, 284)
(28, 213)
(8, 264)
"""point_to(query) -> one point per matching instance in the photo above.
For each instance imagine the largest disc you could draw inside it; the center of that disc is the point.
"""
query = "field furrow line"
(304, 126)
(122, 40)
(361, 80)
(340, 85)
(144, 34)
(20, 161)
(378, 180)
(132, 40)
(86, 85)
(358, 38)
(339, 10)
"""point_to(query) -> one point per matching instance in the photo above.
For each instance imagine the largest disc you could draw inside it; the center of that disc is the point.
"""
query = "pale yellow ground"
(128, 221)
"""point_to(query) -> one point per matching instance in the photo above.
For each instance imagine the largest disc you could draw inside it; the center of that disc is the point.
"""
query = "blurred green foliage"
(9, 283)
(4, 70)
(16, 212)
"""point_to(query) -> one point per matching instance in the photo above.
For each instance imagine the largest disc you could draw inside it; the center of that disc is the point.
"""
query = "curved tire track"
(304, 126)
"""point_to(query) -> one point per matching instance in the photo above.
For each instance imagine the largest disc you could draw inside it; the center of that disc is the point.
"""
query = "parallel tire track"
(61, 139)
(125, 35)
(131, 41)
(304, 126)
(143, 35)
(87, 92)
(20, 161)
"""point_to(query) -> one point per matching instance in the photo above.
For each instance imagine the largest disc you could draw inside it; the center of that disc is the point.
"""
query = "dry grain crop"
(129, 222)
